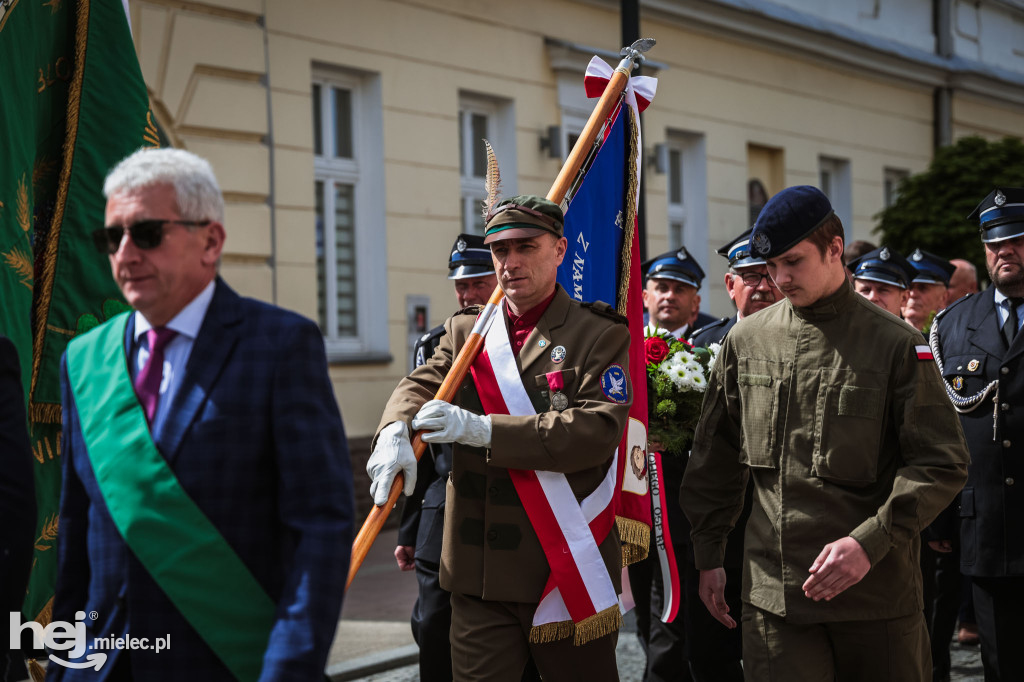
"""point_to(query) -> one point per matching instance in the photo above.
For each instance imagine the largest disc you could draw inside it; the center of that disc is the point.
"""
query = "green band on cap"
(501, 228)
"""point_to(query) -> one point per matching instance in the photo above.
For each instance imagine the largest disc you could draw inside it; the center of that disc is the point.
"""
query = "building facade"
(347, 135)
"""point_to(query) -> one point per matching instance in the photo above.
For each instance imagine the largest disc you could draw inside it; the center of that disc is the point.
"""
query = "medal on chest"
(556, 383)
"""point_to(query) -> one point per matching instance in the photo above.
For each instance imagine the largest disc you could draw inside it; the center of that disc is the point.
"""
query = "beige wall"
(212, 67)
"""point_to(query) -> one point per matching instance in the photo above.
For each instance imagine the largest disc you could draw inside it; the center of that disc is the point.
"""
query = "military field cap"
(676, 265)
(1001, 214)
(787, 219)
(931, 269)
(523, 216)
(883, 265)
(469, 258)
(737, 252)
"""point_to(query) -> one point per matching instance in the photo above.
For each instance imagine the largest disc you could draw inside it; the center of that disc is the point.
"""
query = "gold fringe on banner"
(44, 413)
(587, 630)
(635, 537)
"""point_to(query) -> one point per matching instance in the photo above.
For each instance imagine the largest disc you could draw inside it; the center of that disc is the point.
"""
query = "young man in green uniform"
(837, 412)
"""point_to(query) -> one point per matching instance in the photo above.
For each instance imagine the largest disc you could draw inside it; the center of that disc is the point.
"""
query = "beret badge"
(760, 243)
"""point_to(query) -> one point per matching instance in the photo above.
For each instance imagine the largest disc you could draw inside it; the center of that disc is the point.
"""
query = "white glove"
(448, 423)
(392, 454)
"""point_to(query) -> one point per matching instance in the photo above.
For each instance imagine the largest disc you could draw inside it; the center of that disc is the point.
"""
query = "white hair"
(195, 186)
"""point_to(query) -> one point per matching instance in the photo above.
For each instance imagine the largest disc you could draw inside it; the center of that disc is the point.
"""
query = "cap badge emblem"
(958, 383)
(460, 245)
(557, 354)
(762, 245)
(917, 255)
(884, 255)
(682, 253)
(972, 365)
(1000, 198)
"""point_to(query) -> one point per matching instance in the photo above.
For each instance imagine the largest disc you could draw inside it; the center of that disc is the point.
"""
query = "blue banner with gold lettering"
(594, 224)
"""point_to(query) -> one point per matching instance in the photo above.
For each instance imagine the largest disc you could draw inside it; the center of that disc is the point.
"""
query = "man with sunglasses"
(207, 490)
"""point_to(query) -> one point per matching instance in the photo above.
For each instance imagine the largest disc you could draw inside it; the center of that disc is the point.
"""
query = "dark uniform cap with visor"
(737, 252)
(931, 269)
(788, 218)
(522, 217)
(1001, 214)
(883, 265)
(676, 265)
(469, 258)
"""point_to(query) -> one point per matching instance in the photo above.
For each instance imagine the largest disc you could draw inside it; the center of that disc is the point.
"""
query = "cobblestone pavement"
(966, 664)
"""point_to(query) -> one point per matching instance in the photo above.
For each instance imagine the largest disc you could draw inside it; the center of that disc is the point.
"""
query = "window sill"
(367, 358)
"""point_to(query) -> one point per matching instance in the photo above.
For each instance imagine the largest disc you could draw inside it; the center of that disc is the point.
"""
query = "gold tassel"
(551, 632)
(635, 537)
(587, 630)
(36, 671)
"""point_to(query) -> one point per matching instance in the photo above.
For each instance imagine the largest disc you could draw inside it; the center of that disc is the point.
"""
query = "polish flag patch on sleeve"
(924, 353)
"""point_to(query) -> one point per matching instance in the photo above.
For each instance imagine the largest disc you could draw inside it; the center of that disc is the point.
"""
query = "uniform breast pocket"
(848, 426)
(760, 390)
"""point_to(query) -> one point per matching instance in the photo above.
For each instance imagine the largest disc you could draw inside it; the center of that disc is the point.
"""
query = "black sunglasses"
(145, 234)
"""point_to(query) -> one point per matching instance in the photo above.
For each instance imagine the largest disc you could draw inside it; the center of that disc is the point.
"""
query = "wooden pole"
(565, 179)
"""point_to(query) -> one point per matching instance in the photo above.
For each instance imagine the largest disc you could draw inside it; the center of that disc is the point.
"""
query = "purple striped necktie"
(147, 381)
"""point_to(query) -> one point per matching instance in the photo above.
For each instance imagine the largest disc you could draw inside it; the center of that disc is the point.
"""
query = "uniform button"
(1006, 443)
(492, 535)
(1009, 481)
(1004, 407)
(1004, 370)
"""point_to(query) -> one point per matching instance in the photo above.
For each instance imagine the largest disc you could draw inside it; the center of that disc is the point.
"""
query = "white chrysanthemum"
(714, 348)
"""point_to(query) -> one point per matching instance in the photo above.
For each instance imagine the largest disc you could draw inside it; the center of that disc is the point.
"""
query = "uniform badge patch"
(557, 354)
(958, 383)
(924, 353)
(614, 384)
(972, 365)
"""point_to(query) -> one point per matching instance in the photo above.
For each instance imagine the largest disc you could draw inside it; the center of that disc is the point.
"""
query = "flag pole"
(631, 57)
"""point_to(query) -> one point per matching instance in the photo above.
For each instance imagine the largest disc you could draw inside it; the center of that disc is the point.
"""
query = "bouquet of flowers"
(677, 374)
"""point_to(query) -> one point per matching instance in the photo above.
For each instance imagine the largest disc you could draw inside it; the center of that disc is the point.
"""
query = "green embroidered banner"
(72, 103)
(180, 548)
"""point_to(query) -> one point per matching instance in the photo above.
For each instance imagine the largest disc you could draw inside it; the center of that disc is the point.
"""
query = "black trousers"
(948, 595)
(998, 604)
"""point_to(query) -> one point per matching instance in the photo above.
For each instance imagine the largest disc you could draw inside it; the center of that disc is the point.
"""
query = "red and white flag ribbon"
(569, 532)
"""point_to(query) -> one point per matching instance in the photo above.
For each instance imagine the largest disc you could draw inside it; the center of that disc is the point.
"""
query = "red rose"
(656, 348)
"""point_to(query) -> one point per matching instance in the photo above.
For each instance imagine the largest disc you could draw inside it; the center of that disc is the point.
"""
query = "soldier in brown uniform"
(572, 361)
(837, 412)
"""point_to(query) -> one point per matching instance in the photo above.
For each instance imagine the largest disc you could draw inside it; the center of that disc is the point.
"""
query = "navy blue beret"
(677, 265)
(788, 218)
(737, 252)
(469, 258)
(883, 265)
(931, 269)
(1001, 214)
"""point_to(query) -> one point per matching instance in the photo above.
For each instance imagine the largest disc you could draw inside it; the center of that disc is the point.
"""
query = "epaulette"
(708, 327)
(470, 310)
(604, 310)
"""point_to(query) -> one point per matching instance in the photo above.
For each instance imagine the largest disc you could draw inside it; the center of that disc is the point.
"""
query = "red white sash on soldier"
(579, 599)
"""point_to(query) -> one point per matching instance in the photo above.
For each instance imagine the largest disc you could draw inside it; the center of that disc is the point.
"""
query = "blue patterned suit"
(255, 438)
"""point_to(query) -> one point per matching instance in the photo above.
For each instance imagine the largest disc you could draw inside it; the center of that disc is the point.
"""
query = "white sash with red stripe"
(579, 587)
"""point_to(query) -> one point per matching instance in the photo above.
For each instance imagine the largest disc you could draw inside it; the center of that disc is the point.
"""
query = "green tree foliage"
(932, 207)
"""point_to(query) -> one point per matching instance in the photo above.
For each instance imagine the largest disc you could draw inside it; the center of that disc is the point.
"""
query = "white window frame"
(891, 179)
(500, 115)
(688, 219)
(835, 181)
(365, 172)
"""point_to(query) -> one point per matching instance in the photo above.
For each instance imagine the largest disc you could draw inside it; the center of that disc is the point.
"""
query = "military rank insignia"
(614, 384)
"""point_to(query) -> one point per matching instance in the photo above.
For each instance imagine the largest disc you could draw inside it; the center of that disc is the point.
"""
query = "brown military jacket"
(490, 549)
(846, 432)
